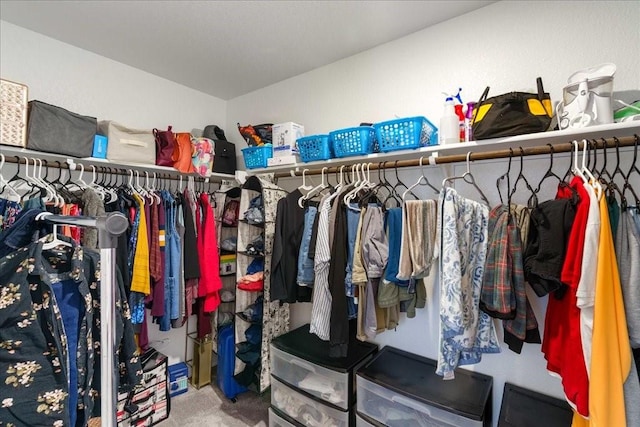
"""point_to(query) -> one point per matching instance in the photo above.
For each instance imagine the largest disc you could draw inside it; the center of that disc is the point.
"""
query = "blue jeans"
(353, 218)
(306, 275)
(394, 231)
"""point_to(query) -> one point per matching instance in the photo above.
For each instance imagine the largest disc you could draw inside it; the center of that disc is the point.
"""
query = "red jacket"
(210, 283)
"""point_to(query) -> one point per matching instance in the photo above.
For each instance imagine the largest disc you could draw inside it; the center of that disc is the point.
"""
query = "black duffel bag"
(224, 159)
(56, 130)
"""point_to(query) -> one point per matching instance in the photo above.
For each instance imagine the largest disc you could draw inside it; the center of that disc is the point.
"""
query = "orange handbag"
(183, 152)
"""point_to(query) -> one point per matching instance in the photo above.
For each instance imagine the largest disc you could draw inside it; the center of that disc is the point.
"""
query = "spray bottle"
(449, 131)
(468, 122)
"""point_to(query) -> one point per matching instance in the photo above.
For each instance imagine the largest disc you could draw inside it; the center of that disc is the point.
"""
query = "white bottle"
(449, 131)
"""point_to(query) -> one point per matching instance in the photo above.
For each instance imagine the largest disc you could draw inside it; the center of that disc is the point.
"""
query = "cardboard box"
(284, 137)
(282, 160)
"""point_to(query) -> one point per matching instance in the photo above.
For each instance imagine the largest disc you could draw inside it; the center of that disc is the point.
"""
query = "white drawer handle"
(303, 365)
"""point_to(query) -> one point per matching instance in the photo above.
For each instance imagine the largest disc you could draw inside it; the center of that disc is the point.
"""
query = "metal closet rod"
(564, 147)
(106, 169)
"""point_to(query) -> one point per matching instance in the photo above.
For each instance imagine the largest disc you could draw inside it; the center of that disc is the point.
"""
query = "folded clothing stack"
(253, 281)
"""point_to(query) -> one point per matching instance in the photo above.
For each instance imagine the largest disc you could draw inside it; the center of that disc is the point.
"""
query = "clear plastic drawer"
(276, 420)
(326, 384)
(305, 410)
(391, 408)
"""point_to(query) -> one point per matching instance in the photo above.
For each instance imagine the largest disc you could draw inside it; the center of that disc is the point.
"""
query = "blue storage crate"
(178, 379)
(407, 133)
(356, 141)
(256, 157)
(314, 147)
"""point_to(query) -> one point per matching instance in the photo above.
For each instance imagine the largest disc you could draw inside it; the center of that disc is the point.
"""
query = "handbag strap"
(483, 97)
(540, 88)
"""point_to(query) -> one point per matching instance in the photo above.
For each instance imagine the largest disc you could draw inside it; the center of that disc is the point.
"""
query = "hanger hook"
(469, 162)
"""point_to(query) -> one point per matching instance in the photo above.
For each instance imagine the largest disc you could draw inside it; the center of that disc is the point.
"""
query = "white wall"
(89, 84)
(505, 45)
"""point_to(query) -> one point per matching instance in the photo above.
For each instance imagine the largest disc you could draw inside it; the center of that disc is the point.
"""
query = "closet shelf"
(104, 164)
(525, 141)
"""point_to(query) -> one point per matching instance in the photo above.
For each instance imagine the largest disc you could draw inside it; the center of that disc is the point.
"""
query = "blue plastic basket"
(314, 147)
(356, 141)
(407, 133)
(256, 157)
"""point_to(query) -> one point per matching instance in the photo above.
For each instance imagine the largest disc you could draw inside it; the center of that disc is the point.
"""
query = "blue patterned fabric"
(465, 331)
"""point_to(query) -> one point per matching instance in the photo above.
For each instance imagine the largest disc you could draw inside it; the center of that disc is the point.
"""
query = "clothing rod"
(173, 175)
(627, 141)
(109, 228)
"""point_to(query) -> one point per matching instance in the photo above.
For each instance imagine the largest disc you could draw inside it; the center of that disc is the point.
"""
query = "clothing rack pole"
(627, 141)
(115, 170)
(109, 228)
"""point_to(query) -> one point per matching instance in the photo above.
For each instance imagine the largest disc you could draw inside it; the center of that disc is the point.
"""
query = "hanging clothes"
(9, 211)
(503, 293)
(611, 352)
(210, 284)
(628, 256)
(418, 238)
(465, 331)
(322, 297)
(52, 367)
(289, 228)
(562, 343)
(190, 246)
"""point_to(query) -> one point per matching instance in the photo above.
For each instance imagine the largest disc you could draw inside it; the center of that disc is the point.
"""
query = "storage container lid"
(415, 377)
(305, 345)
(526, 408)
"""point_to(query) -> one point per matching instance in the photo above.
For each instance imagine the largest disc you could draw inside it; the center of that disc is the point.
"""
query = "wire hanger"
(468, 178)
(421, 180)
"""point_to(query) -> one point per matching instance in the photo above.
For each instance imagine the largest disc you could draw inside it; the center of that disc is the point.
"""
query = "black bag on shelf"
(56, 130)
(513, 113)
(224, 160)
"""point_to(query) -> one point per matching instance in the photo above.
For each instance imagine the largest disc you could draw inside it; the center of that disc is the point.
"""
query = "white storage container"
(128, 145)
(276, 420)
(326, 384)
(303, 409)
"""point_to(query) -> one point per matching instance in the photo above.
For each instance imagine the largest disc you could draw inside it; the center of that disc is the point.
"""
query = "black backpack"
(224, 160)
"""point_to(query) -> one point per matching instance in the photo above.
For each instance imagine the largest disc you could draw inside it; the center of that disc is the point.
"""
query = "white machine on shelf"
(587, 98)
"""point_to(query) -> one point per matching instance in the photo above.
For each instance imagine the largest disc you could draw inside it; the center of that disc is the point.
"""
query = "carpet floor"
(209, 407)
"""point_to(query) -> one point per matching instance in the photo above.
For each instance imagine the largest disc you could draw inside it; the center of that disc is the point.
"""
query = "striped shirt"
(321, 309)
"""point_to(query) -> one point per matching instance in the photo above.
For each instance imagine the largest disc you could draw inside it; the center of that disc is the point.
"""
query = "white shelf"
(529, 140)
(8, 150)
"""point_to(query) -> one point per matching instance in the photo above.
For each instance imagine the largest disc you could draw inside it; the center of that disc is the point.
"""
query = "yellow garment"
(141, 280)
(610, 352)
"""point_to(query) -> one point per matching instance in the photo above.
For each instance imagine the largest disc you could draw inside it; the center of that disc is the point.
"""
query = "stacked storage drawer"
(308, 388)
(398, 388)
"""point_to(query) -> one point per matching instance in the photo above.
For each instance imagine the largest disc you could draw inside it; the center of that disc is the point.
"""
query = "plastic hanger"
(11, 194)
(422, 180)
(521, 177)
(507, 176)
(467, 177)
(632, 168)
(304, 186)
(55, 240)
(315, 190)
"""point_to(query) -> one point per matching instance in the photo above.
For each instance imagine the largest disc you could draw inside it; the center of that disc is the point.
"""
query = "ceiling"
(229, 48)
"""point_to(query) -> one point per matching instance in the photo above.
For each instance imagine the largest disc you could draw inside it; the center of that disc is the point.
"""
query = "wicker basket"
(13, 113)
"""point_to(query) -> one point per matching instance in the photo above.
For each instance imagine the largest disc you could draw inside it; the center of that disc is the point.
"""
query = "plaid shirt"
(503, 289)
